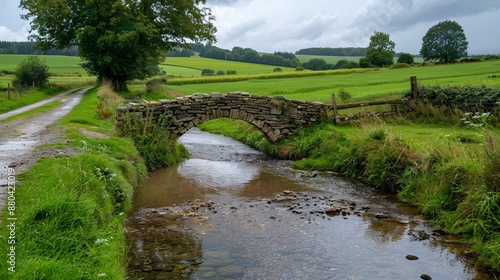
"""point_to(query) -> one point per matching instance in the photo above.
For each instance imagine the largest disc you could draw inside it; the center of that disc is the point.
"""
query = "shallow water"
(230, 212)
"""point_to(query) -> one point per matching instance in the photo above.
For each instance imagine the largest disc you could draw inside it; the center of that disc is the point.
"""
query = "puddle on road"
(245, 216)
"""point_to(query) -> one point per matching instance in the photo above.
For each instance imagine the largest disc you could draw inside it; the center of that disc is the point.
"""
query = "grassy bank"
(18, 100)
(70, 210)
(449, 171)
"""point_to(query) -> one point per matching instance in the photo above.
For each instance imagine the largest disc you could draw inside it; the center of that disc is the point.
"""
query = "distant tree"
(345, 64)
(286, 55)
(32, 70)
(444, 42)
(380, 51)
(315, 64)
(365, 63)
(406, 58)
(251, 56)
(207, 71)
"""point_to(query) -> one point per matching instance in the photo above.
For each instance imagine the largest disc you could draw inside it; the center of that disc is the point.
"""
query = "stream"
(231, 212)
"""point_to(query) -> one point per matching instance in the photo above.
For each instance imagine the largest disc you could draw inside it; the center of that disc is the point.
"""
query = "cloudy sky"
(290, 25)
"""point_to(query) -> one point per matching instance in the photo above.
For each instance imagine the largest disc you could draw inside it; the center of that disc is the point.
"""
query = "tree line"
(249, 55)
(7, 47)
(333, 51)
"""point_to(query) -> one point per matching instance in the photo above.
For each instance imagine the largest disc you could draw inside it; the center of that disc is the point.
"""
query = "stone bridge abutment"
(276, 117)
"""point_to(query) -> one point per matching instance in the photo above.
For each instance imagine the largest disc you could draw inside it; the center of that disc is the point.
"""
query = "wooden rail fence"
(393, 102)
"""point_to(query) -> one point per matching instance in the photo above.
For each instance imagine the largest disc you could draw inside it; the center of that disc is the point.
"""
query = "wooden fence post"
(336, 119)
(414, 88)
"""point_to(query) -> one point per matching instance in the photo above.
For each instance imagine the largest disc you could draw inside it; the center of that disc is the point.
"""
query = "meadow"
(360, 84)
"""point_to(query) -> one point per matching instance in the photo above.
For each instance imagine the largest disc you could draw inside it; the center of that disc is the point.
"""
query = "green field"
(58, 64)
(361, 85)
(194, 65)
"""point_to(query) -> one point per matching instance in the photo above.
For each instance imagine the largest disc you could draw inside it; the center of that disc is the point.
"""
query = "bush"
(31, 71)
(299, 68)
(152, 139)
(344, 95)
(207, 71)
(231, 72)
(405, 58)
(365, 63)
(465, 98)
(400, 66)
(277, 69)
(220, 73)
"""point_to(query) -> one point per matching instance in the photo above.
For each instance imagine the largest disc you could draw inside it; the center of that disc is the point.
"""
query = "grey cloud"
(397, 15)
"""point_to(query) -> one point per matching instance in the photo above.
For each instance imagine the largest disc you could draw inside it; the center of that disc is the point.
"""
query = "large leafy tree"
(119, 40)
(380, 51)
(444, 42)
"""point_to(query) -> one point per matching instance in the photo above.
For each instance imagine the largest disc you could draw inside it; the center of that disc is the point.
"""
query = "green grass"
(58, 64)
(70, 210)
(200, 63)
(35, 112)
(360, 85)
(18, 100)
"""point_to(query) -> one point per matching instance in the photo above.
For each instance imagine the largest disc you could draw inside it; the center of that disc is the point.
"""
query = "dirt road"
(19, 138)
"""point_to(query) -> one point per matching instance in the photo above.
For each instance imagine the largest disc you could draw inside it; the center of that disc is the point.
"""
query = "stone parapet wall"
(276, 117)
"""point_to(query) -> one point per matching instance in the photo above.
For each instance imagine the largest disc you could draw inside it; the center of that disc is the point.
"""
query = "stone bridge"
(276, 117)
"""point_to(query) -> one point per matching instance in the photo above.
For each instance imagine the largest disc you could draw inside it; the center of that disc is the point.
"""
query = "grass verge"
(39, 110)
(18, 100)
(70, 210)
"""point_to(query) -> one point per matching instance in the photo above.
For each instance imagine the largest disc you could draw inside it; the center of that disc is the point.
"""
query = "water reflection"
(218, 174)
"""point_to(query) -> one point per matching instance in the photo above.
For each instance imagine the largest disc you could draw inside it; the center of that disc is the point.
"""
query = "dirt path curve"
(19, 138)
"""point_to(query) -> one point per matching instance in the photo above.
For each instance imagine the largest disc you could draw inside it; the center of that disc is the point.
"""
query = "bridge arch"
(276, 117)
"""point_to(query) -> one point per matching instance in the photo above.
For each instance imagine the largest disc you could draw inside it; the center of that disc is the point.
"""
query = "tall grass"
(152, 139)
(108, 101)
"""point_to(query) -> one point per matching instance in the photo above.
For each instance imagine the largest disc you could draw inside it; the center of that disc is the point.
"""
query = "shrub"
(207, 71)
(344, 95)
(231, 72)
(405, 58)
(155, 85)
(31, 71)
(465, 98)
(299, 68)
(221, 72)
(400, 66)
(365, 63)
(277, 69)
(152, 139)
